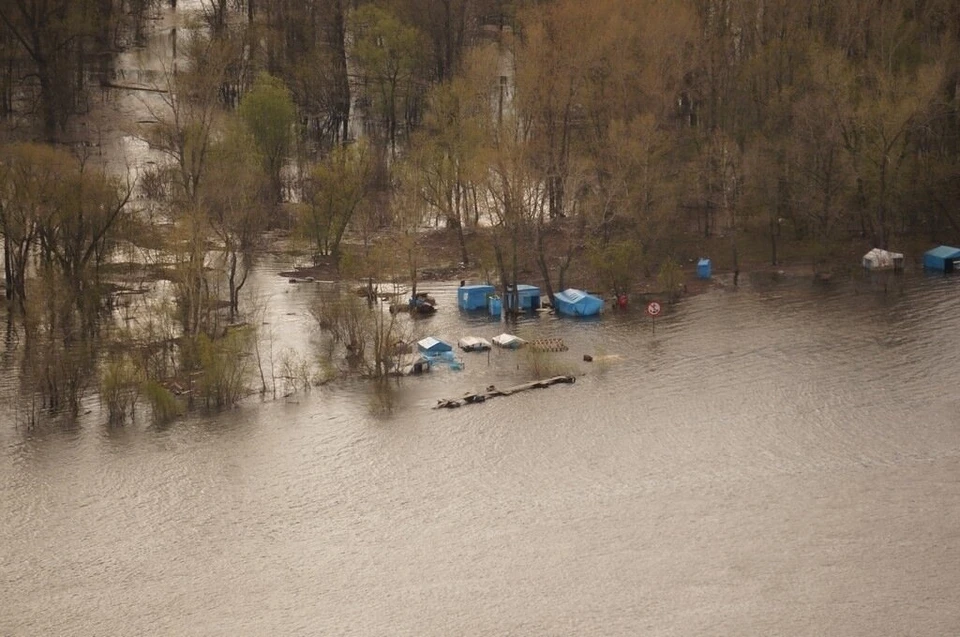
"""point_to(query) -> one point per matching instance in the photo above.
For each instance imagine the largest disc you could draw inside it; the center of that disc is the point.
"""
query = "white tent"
(508, 340)
(878, 259)
(473, 344)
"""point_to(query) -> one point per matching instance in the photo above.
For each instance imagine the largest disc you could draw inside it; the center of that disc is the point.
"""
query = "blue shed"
(704, 268)
(473, 297)
(433, 346)
(577, 303)
(528, 297)
(942, 259)
(495, 305)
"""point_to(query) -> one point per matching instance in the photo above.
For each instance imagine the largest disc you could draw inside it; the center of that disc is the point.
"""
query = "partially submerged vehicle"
(421, 304)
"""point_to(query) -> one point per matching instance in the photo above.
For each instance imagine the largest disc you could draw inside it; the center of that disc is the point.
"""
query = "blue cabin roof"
(944, 252)
(433, 345)
(524, 289)
(480, 288)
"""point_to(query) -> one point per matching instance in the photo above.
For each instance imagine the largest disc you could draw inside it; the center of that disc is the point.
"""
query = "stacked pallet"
(549, 345)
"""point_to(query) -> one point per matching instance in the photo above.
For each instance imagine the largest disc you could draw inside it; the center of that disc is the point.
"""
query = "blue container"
(528, 297)
(495, 306)
(943, 259)
(473, 297)
(703, 268)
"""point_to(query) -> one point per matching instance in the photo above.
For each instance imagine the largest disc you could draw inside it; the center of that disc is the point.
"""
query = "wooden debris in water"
(493, 392)
(548, 345)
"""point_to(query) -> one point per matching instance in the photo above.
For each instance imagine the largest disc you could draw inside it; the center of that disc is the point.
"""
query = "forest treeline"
(604, 132)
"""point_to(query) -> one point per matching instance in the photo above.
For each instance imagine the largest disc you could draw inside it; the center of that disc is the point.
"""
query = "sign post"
(653, 310)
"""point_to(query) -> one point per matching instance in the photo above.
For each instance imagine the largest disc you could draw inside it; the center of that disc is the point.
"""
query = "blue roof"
(480, 287)
(943, 252)
(530, 289)
(431, 344)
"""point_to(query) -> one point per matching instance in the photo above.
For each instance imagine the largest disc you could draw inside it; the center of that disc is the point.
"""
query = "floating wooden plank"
(493, 392)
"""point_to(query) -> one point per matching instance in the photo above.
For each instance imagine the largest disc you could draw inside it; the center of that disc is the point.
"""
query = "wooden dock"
(493, 392)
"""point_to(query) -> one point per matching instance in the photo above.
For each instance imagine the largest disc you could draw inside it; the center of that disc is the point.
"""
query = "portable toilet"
(494, 305)
(473, 297)
(703, 269)
(528, 297)
(942, 259)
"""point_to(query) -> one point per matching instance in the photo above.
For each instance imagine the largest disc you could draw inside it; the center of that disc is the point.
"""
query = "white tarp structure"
(473, 344)
(878, 259)
(508, 340)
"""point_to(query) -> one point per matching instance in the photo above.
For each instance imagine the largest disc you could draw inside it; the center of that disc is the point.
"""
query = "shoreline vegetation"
(151, 155)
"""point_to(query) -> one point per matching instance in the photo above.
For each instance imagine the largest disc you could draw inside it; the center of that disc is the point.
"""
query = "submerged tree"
(269, 114)
(335, 189)
(235, 198)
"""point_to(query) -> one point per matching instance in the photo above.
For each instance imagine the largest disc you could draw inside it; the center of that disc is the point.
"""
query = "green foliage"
(670, 279)
(335, 191)
(617, 264)
(225, 368)
(390, 55)
(164, 405)
(120, 385)
(269, 114)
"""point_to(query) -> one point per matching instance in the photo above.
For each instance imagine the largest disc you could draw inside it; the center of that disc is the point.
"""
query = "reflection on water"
(779, 459)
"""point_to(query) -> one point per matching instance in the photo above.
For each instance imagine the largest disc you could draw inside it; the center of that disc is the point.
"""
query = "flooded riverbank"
(782, 458)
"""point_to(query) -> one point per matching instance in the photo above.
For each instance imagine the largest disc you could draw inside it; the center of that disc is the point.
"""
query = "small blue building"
(573, 302)
(433, 346)
(528, 297)
(704, 268)
(474, 297)
(942, 259)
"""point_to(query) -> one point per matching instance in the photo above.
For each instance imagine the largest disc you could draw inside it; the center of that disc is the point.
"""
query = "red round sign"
(653, 308)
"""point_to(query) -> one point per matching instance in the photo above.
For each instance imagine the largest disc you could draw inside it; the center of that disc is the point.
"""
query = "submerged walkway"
(493, 392)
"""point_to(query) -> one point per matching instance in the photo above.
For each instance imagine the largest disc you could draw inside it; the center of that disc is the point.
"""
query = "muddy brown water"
(781, 459)
(778, 459)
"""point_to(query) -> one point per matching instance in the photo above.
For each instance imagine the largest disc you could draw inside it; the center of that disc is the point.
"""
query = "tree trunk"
(544, 268)
(7, 268)
(342, 104)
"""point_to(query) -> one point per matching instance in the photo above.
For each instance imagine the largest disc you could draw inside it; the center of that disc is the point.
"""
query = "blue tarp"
(431, 345)
(473, 297)
(577, 303)
(942, 258)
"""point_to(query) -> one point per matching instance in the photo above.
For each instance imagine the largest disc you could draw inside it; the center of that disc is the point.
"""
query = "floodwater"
(778, 459)
(775, 459)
